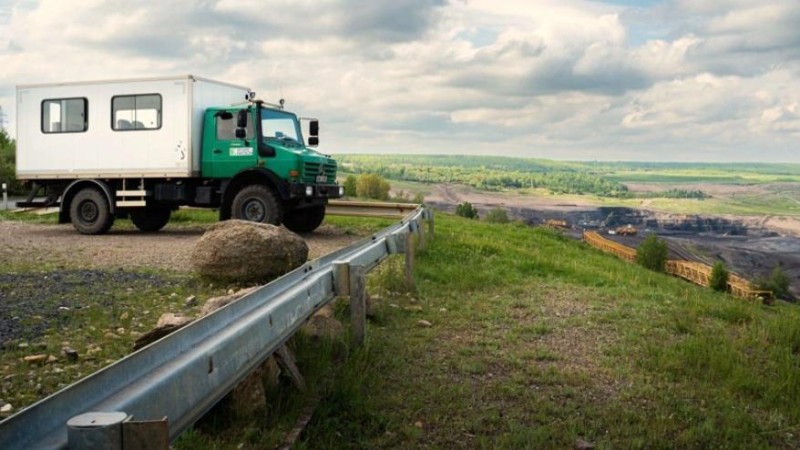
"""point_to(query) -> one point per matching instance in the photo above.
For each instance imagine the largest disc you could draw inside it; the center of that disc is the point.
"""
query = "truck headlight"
(341, 191)
(309, 191)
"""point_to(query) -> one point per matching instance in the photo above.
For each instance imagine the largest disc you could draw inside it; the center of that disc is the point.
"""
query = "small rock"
(51, 359)
(419, 424)
(70, 353)
(93, 349)
(424, 323)
(6, 410)
(191, 300)
(442, 310)
(110, 335)
(120, 330)
(394, 305)
(23, 345)
(35, 359)
(63, 308)
(581, 444)
(172, 320)
(124, 316)
(216, 303)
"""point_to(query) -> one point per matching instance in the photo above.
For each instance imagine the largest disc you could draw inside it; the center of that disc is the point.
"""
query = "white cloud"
(556, 78)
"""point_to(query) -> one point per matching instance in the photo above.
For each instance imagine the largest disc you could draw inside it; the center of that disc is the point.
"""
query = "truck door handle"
(217, 151)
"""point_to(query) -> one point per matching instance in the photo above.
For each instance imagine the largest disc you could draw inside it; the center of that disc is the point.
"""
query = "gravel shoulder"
(27, 244)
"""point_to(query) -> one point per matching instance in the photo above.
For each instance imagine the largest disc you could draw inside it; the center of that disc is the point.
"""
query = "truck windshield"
(280, 125)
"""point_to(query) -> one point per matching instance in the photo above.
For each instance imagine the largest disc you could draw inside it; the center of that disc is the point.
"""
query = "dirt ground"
(171, 248)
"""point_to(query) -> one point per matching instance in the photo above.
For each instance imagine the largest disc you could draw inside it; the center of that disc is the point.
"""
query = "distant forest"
(493, 173)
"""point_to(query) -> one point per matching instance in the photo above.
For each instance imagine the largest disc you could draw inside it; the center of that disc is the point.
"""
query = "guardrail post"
(429, 212)
(409, 250)
(358, 303)
(341, 278)
(421, 230)
(96, 430)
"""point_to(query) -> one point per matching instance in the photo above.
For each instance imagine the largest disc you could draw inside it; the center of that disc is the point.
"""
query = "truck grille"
(311, 170)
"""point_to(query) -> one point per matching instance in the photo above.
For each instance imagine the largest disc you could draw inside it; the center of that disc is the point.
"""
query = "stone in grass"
(35, 359)
(167, 323)
(241, 251)
(424, 323)
(581, 444)
(70, 353)
(215, 303)
(323, 325)
(6, 409)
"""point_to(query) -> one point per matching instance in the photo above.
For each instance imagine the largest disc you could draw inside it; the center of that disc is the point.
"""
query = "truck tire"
(304, 220)
(150, 220)
(257, 203)
(90, 212)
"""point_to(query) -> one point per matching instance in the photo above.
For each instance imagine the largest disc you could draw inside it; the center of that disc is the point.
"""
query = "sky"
(668, 80)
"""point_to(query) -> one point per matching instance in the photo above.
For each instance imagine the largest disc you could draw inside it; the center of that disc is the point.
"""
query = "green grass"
(538, 341)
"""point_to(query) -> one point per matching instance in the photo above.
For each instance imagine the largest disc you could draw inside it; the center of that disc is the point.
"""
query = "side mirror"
(241, 133)
(241, 119)
(313, 128)
(313, 141)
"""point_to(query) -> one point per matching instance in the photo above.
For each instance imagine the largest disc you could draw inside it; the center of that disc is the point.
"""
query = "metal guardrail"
(185, 373)
(369, 209)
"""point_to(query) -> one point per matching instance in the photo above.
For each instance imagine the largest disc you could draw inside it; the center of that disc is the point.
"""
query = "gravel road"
(171, 248)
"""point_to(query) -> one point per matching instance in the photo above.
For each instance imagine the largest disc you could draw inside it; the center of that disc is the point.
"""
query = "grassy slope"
(538, 340)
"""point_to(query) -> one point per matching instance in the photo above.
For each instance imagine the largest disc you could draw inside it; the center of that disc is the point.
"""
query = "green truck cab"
(266, 143)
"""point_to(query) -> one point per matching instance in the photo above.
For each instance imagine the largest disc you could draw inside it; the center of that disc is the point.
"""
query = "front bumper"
(302, 190)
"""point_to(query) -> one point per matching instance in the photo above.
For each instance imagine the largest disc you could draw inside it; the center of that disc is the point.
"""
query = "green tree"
(718, 280)
(497, 215)
(350, 186)
(467, 210)
(653, 253)
(370, 185)
(777, 282)
(8, 175)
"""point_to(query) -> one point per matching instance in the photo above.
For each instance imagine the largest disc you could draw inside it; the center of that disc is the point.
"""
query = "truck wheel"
(257, 203)
(150, 219)
(304, 220)
(90, 212)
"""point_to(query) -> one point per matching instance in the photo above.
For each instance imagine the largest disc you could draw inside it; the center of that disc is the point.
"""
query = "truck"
(142, 148)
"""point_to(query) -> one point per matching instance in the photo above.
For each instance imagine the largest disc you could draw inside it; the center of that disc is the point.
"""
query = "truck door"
(228, 155)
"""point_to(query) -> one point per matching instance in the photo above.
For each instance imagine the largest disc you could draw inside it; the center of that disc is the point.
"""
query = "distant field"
(742, 189)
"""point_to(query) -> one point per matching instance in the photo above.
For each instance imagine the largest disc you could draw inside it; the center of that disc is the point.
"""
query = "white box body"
(171, 151)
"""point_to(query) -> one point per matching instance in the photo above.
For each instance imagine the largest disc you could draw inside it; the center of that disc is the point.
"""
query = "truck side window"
(65, 115)
(226, 128)
(136, 112)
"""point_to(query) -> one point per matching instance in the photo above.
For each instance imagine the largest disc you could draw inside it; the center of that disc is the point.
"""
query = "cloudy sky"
(676, 80)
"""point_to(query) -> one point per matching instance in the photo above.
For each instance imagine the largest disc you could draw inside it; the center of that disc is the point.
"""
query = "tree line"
(8, 150)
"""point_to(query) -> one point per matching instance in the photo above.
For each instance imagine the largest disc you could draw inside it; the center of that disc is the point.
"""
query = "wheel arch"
(246, 178)
(75, 187)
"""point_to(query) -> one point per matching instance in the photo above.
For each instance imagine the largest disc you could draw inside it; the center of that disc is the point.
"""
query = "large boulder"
(241, 251)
